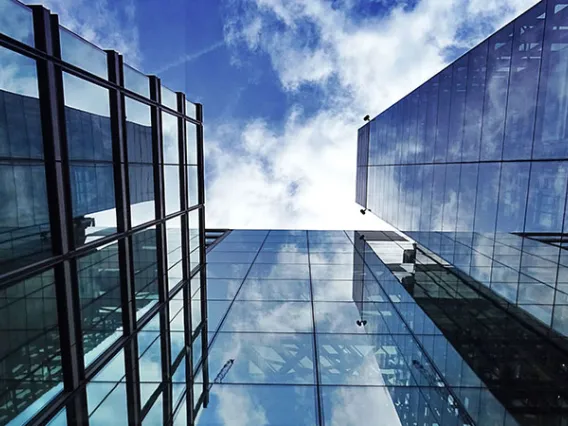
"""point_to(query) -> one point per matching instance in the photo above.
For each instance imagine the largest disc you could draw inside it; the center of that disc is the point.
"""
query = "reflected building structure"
(101, 233)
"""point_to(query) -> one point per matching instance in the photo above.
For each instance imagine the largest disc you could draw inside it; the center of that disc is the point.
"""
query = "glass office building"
(365, 328)
(101, 233)
(473, 164)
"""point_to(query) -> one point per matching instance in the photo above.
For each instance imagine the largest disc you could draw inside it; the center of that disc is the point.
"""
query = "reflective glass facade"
(101, 233)
(473, 163)
(362, 328)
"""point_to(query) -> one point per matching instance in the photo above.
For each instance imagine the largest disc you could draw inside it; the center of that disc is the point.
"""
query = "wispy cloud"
(190, 57)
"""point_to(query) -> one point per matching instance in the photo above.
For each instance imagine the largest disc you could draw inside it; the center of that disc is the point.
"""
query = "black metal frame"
(50, 69)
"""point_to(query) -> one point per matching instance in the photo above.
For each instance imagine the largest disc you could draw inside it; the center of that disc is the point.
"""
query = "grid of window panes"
(478, 154)
(285, 342)
(101, 232)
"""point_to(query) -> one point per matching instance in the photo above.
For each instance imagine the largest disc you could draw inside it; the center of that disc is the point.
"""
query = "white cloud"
(303, 175)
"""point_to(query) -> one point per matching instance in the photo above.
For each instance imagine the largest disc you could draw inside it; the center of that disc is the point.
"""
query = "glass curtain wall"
(97, 223)
(473, 163)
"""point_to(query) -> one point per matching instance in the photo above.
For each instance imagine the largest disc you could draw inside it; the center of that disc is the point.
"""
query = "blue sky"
(285, 84)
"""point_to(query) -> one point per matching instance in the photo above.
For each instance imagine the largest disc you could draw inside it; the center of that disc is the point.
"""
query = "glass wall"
(95, 282)
(476, 154)
(332, 328)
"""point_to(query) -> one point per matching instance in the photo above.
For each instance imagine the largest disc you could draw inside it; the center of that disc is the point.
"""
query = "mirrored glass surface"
(24, 215)
(144, 256)
(256, 289)
(260, 404)
(16, 21)
(99, 281)
(30, 350)
(169, 98)
(277, 271)
(82, 54)
(278, 358)
(269, 317)
(174, 251)
(136, 81)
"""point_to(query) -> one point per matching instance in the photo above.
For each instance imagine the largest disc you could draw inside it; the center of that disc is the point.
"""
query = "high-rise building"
(473, 166)
(342, 328)
(101, 233)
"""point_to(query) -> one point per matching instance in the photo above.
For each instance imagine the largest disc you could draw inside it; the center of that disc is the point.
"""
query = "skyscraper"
(472, 164)
(101, 231)
(365, 328)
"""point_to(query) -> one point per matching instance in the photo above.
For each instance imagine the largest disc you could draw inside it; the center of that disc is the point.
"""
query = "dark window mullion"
(120, 160)
(52, 109)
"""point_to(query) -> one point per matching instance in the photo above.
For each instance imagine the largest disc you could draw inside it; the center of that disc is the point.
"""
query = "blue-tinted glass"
(457, 115)
(227, 270)
(191, 142)
(138, 132)
(144, 255)
(432, 88)
(476, 74)
(372, 406)
(223, 289)
(334, 258)
(169, 98)
(487, 196)
(295, 247)
(192, 185)
(172, 192)
(113, 408)
(136, 81)
(523, 85)
(547, 193)
(218, 256)
(16, 21)
(354, 359)
(446, 94)
(258, 404)
(451, 198)
(30, 347)
(276, 271)
(551, 116)
(282, 257)
(141, 184)
(190, 109)
(170, 139)
(277, 358)
(174, 251)
(82, 54)
(99, 281)
(496, 89)
(513, 197)
(466, 197)
(269, 317)
(256, 289)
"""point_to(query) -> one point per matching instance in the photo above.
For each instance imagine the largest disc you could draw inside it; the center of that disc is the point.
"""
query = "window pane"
(24, 214)
(269, 317)
(100, 300)
(192, 185)
(191, 143)
(16, 21)
(256, 289)
(169, 98)
(87, 119)
(174, 252)
(82, 54)
(170, 139)
(30, 350)
(136, 81)
(144, 256)
(142, 200)
(172, 189)
(138, 132)
(266, 405)
(278, 358)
